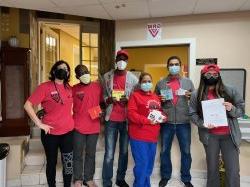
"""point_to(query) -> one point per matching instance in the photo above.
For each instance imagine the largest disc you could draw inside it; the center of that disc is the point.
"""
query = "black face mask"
(61, 74)
(210, 81)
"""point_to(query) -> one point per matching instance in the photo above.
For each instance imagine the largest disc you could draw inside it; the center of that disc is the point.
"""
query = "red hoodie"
(139, 106)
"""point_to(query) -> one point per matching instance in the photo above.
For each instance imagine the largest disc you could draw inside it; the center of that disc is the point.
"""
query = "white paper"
(180, 92)
(156, 116)
(214, 112)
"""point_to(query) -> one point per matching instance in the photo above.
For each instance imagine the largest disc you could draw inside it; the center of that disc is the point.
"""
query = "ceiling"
(130, 9)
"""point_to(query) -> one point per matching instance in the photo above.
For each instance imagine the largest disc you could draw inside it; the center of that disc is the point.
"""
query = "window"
(90, 55)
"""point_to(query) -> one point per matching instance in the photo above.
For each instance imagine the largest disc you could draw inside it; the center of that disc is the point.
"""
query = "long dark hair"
(54, 68)
(219, 91)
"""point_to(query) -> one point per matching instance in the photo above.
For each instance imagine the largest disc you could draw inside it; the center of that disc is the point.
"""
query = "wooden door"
(14, 91)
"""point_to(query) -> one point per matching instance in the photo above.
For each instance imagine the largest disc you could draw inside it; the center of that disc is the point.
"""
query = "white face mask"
(85, 79)
(121, 65)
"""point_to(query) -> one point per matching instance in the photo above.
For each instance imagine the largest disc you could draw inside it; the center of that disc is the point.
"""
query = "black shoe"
(121, 183)
(188, 184)
(163, 182)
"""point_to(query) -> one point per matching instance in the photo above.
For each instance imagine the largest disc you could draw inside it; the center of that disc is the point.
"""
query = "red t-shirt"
(119, 109)
(174, 84)
(222, 130)
(57, 106)
(86, 97)
(139, 106)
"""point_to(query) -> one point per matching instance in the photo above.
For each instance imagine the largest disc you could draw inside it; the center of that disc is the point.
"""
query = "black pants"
(51, 143)
(84, 143)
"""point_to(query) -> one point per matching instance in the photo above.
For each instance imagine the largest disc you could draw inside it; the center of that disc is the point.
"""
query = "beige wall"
(13, 29)
(223, 36)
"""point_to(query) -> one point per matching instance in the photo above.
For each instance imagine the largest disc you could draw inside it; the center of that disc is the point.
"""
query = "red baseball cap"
(208, 67)
(122, 52)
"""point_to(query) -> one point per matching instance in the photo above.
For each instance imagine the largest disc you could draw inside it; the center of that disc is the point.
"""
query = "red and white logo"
(154, 30)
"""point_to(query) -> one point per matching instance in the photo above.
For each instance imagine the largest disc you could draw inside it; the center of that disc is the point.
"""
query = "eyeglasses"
(209, 75)
(174, 64)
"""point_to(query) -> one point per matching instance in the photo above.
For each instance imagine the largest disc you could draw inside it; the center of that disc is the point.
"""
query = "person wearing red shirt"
(118, 84)
(143, 131)
(87, 96)
(227, 137)
(55, 97)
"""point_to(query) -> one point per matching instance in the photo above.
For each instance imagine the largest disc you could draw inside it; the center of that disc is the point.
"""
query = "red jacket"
(139, 105)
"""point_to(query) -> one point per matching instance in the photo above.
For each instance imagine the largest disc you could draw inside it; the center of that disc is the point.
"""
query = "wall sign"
(204, 61)
(154, 31)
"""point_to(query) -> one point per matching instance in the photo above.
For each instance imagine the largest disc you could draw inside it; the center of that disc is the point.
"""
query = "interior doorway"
(151, 56)
(58, 41)
(75, 43)
(152, 59)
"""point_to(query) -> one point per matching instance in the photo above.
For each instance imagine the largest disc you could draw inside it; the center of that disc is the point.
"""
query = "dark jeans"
(51, 143)
(183, 133)
(230, 155)
(112, 129)
(84, 143)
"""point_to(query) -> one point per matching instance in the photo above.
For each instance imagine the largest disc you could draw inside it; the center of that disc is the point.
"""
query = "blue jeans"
(183, 133)
(112, 129)
(144, 157)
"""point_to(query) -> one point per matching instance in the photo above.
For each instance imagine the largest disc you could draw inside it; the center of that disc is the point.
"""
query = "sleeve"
(38, 95)
(133, 114)
(74, 93)
(238, 109)
(192, 86)
(101, 93)
(136, 85)
(194, 117)
(105, 93)
(157, 90)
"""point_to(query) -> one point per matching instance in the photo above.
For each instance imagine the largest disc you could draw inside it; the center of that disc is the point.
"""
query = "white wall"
(224, 36)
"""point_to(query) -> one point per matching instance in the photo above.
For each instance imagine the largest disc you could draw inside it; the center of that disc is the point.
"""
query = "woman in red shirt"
(55, 97)
(143, 129)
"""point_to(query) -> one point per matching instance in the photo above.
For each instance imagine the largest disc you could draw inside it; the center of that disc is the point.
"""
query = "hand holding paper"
(167, 94)
(118, 94)
(156, 116)
(95, 112)
(214, 112)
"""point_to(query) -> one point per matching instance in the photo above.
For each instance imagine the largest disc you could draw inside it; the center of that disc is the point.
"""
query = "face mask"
(174, 70)
(85, 79)
(121, 65)
(146, 86)
(61, 74)
(210, 81)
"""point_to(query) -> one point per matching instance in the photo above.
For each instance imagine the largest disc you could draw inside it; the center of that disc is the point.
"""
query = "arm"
(194, 117)
(238, 109)
(157, 90)
(28, 106)
(133, 114)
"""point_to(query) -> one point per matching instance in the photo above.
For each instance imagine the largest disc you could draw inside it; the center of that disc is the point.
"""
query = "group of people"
(137, 115)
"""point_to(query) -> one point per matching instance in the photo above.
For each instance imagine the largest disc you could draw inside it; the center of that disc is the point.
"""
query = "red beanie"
(208, 67)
